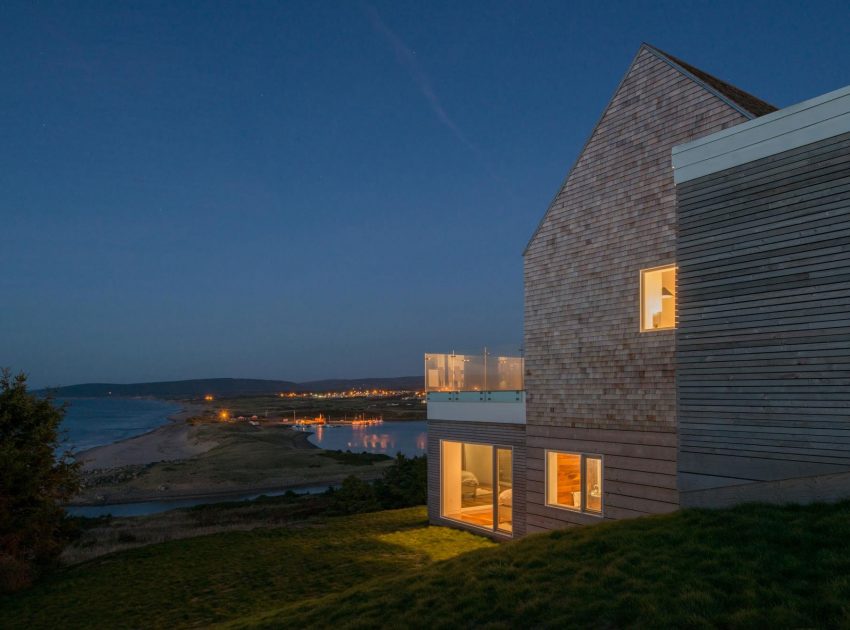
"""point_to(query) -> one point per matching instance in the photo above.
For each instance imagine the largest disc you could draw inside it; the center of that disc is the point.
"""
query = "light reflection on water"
(389, 438)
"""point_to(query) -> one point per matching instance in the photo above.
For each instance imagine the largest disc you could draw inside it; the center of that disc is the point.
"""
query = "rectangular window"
(476, 484)
(574, 481)
(658, 298)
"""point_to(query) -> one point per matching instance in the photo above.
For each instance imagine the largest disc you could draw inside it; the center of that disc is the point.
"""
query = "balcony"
(477, 388)
(472, 373)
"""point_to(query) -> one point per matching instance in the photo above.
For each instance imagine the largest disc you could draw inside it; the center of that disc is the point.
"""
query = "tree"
(35, 481)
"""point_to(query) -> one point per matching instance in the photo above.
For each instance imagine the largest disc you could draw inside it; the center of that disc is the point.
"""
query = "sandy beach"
(169, 442)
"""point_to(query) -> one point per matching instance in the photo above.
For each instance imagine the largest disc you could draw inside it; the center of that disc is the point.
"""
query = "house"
(686, 337)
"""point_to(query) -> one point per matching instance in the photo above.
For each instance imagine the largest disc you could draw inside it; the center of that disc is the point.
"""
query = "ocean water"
(93, 422)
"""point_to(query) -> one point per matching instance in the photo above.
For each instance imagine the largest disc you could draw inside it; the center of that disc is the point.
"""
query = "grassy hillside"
(199, 581)
(753, 566)
(750, 566)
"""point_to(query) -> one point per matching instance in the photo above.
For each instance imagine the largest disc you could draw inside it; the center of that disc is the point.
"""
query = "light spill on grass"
(436, 543)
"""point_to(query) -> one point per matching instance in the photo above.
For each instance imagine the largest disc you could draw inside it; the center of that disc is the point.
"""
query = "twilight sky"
(303, 190)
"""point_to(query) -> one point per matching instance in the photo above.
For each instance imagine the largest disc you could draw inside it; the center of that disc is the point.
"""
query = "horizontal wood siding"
(496, 434)
(763, 339)
(639, 473)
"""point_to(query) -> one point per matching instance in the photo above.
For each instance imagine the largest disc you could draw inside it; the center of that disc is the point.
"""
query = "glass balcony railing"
(472, 373)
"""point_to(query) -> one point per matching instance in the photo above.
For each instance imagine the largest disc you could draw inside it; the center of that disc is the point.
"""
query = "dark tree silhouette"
(35, 480)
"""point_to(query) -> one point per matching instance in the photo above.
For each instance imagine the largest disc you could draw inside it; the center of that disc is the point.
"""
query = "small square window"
(658, 298)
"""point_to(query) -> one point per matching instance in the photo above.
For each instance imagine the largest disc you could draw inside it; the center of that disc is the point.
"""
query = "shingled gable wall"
(595, 383)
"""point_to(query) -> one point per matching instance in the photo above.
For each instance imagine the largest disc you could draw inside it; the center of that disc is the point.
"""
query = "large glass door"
(476, 484)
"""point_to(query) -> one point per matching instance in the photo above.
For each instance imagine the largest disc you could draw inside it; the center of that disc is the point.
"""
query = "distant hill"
(224, 387)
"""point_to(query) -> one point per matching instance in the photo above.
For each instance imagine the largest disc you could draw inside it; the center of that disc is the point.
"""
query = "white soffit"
(810, 121)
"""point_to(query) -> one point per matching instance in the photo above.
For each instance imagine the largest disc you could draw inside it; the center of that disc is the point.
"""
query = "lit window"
(658, 298)
(574, 481)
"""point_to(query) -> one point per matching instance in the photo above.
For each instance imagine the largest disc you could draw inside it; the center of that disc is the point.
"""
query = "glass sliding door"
(504, 498)
(467, 484)
(476, 484)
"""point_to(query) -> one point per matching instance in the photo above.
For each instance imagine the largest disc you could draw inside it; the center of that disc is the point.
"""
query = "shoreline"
(143, 448)
(184, 411)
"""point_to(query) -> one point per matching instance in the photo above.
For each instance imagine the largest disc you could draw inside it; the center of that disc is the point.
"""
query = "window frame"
(583, 457)
(494, 446)
(641, 307)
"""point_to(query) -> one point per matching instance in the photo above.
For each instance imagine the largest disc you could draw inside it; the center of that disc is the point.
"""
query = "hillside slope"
(752, 566)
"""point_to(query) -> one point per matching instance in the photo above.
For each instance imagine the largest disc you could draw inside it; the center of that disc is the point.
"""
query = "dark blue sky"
(305, 190)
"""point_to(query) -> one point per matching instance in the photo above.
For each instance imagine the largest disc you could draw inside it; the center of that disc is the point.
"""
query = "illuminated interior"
(658, 298)
(472, 373)
(574, 481)
(477, 485)
(505, 498)
(593, 484)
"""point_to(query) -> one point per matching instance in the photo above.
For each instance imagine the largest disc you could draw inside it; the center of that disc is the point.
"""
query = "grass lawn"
(751, 566)
(198, 581)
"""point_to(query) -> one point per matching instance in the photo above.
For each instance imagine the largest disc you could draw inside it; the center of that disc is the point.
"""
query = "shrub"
(352, 497)
(404, 484)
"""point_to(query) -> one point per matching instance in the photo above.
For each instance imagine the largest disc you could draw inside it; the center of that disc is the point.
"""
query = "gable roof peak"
(744, 102)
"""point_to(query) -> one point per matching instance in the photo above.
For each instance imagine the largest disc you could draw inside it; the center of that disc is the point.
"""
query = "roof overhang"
(786, 129)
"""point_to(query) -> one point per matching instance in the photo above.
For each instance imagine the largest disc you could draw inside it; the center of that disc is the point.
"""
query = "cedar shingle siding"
(763, 354)
(595, 383)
